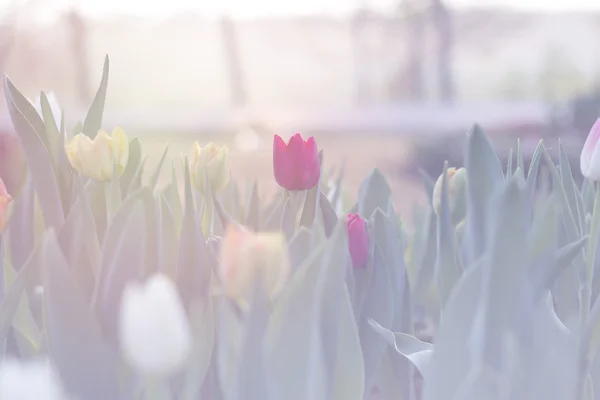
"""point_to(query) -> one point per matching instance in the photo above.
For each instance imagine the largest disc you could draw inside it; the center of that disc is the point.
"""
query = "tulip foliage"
(129, 290)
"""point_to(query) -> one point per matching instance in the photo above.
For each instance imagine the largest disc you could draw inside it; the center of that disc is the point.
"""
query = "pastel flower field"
(119, 285)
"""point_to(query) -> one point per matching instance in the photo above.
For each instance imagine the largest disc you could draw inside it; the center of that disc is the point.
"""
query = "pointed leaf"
(86, 364)
(158, 168)
(93, 119)
(38, 160)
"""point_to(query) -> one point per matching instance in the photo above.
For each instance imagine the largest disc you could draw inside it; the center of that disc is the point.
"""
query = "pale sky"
(250, 8)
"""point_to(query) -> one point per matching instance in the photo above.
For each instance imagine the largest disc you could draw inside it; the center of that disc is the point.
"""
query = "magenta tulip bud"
(296, 165)
(590, 155)
(358, 240)
(13, 165)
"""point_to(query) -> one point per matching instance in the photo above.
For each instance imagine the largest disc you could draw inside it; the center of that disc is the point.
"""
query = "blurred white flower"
(247, 140)
(28, 380)
(54, 107)
(154, 331)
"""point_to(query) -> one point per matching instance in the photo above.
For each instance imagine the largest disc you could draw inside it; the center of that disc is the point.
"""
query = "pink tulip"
(590, 155)
(296, 165)
(358, 240)
(5, 200)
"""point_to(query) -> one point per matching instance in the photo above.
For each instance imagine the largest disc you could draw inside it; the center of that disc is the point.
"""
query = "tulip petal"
(310, 165)
(283, 164)
(120, 148)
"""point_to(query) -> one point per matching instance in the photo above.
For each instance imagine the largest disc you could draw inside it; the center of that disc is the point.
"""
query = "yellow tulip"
(96, 158)
(211, 161)
(247, 256)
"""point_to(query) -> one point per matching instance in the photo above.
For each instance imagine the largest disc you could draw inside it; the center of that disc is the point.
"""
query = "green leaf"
(300, 247)
(449, 365)
(569, 186)
(168, 240)
(428, 183)
(545, 273)
(505, 280)
(203, 327)
(509, 166)
(95, 192)
(417, 352)
(126, 264)
(288, 219)
(252, 214)
(21, 235)
(158, 168)
(250, 380)
(38, 158)
(23, 321)
(520, 161)
(532, 173)
(297, 372)
(12, 297)
(70, 238)
(87, 365)
(93, 119)
(349, 378)
(379, 306)
(330, 217)
(26, 109)
(374, 193)
(193, 267)
(114, 237)
(57, 150)
(135, 157)
(567, 213)
(484, 171)
(310, 210)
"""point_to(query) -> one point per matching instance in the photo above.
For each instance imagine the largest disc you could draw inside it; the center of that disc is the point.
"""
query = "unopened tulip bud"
(246, 256)
(96, 158)
(13, 164)
(211, 161)
(154, 331)
(358, 240)
(296, 164)
(457, 184)
(5, 200)
(590, 155)
(32, 379)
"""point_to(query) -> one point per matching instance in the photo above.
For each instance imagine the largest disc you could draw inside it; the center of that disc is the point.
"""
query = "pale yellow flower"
(211, 161)
(456, 183)
(247, 256)
(96, 158)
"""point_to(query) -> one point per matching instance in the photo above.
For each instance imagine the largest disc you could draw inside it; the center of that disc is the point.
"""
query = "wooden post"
(232, 59)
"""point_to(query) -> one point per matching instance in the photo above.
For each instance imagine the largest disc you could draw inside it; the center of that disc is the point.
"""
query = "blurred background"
(393, 84)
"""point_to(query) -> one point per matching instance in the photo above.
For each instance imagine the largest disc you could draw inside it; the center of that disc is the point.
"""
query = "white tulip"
(54, 107)
(590, 155)
(154, 330)
(28, 380)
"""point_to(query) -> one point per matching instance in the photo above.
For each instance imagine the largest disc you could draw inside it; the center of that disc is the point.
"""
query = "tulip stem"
(158, 389)
(586, 286)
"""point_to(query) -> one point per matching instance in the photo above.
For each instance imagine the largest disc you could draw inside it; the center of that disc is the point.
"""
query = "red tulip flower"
(296, 164)
(358, 240)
